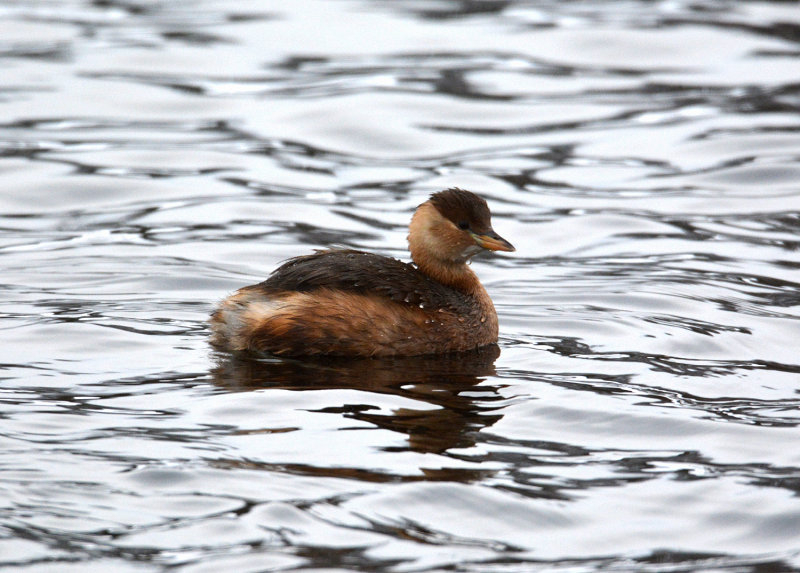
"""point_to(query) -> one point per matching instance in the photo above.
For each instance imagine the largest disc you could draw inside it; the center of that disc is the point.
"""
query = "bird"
(350, 303)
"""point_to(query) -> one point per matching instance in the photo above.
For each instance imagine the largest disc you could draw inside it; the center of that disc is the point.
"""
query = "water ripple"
(640, 413)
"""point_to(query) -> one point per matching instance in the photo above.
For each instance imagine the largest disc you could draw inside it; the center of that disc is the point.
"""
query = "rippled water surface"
(641, 411)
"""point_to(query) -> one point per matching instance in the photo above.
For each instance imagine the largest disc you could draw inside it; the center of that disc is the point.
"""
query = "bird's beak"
(491, 241)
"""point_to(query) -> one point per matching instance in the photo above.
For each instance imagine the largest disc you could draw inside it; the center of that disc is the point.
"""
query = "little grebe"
(352, 303)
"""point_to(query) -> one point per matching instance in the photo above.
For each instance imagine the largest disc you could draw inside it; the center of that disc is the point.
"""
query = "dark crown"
(463, 207)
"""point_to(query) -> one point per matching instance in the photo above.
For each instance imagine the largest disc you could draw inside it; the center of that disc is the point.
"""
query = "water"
(641, 413)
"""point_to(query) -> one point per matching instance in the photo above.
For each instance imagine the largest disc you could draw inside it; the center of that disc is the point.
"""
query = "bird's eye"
(463, 225)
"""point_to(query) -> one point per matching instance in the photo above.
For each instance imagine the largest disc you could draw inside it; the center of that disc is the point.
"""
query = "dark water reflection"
(452, 385)
(641, 410)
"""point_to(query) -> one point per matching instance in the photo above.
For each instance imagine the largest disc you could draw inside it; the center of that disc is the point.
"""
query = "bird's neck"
(435, 249)
(456, 275)
(461, 278)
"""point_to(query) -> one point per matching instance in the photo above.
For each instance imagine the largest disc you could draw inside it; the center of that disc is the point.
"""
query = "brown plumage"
(352, 303)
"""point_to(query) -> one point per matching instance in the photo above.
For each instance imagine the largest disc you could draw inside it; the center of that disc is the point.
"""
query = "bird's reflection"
(449, 382)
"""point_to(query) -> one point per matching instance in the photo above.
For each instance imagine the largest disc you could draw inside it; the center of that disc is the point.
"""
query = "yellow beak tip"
(494, 242)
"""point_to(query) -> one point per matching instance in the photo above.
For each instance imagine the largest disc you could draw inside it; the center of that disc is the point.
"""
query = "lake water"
(641, 412)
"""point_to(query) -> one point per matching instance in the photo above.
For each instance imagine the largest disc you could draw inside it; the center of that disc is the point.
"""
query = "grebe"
(352, 303)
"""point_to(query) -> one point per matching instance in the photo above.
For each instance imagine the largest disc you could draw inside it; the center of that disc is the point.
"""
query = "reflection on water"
(641, 410)
(449, 384)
